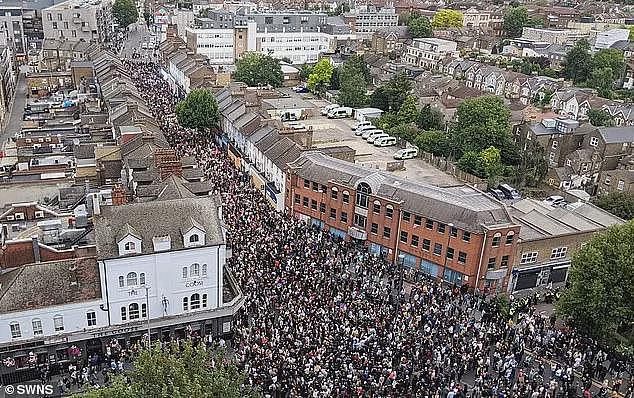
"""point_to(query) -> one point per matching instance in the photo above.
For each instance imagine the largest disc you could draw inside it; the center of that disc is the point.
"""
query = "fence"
(441, 163)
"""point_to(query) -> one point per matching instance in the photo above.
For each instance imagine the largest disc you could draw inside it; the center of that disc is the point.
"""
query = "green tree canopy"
(599, 300)
(387, 121)
(319, 78)
(352, 90)
(419, 27)
(404, 131)
(621, 204)
(396, 90)
(199, 110)
(436, 142)
(379, 99)
(515, 20)
(481, 123)
(447, 18)
(578, 64)
(408, 113)
(492, 162)
(602, 80)
(174, 372)
(599, 117)
(430, 118)
(305, 71)
(356, 62)
(471, 162)
(256, 69)
(125, 12)
(609, 58)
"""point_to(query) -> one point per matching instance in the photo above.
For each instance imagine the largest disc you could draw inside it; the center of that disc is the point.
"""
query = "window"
(185, 304)
(504, 262)
(204, 301)
(621, 185)
(404, 237)
(594, 141)
(91, 318)
(15, 330)
(559, 252)
(496, 240)
(298, 199)
(58, 323)
(346, 197)
(313, 204)
(374, 228)
(437, 249)
(121, 281)
(568, 162)
(376, 208)
(185, 273)
(306, 183)
(334, 193)
(142, 278)
(554, 144)
(389, 211)
(130, 246)
(453, 231)
(37, 327)
(131, 279)
(344, 216)
(406, 216)
(450, 253)
(204, 270)
(195, 301)
(315, 186)
(429, 224)
(322, 207)
(123, 313)
(194, 238)
(133, 311)
(466, 236)
(194, 270)
(462, 257)
(441, 228)
(387, 231)
(360, 220)
(529, 257)
(426, 244)
(305, 201)
(491, 263)
(363, 195)
(418, 220)
(333, 213)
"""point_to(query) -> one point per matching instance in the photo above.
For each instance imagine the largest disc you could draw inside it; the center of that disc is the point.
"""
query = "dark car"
(509, 191)
(497, 194)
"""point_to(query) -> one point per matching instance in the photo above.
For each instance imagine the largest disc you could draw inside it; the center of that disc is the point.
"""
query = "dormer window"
(162, 243)
(194, 238)
(130, 246)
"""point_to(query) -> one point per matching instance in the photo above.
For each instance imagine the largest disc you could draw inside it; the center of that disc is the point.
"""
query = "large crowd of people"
(324, 318)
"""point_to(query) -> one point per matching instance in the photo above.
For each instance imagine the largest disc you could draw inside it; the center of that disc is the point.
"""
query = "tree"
(601, 79)
(430, 118)
(408, 113)
(199, 110)
(352, 90)
(148, 17)
(481, 123)
(631, 38)
(356, 62)
(387, 121)
(319, 79)
(379, 99)
(447, 18)
(179, 372)
(515, 20)
(405, 131)
(471, 163)
(621, 204)
(305, 71)
(436, 142)
(599, 117)
(491, 162)
(419, 27)
(256, 69)
(396, 90)
(578, 64)
(609, 58)
(125, 12)
(598, 301)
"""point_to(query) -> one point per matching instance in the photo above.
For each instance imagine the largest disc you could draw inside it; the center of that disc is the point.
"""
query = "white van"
(357, 126)
(340, 113)
(328, 108)
(385, 141)
(366, 134)
(373, 137)
(407, 153)
(363, 129)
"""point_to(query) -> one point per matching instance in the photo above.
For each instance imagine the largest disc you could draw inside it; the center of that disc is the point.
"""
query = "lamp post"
(444, 268)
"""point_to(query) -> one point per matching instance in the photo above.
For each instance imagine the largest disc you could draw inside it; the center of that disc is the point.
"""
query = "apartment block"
(554, 36)
(12, 30)
(365, 20)
(77, 20)
(427, 52)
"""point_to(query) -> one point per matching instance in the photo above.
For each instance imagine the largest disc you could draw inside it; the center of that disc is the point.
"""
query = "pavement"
(15, 119)
(138, 34)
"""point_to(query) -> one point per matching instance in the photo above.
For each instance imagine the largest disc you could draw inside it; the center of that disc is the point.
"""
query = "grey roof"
(612, 135)
(49, 284)
(157, 218)
(465, 207)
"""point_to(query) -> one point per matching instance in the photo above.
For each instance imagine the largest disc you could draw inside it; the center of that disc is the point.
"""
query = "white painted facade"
(426, 52)
(299, 47)
(216, 44)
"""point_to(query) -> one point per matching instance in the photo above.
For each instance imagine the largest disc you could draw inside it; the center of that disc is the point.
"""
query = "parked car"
(366, 134)
(357, 126)
(340, 113)
(509, 191)
(385, 141)
(554, 200)
(328, 108)
(497, 194)
(407, 153)
(363, 129)
(300, 89)
(291, 116)
(373, 137)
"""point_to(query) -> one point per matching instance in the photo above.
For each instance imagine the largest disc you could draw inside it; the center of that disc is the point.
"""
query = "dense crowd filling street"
(322, 319)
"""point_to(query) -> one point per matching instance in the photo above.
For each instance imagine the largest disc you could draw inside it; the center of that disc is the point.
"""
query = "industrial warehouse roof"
(465, 207)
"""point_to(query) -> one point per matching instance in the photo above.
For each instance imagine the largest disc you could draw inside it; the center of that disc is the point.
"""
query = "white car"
(363, 129)
(366, 134)
(328, 108)
(361, 124)
(407, 153)
(373, 137)
(297, 126)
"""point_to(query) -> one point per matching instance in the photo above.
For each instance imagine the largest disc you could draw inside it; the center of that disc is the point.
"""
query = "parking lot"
(337, 132)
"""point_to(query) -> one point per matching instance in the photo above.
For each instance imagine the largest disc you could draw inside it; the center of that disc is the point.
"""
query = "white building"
(76, 20)
(555, 36)
(216, 44)
(476, 18)
(609, 37)
(365, 20)
(426, 52)
(300, 47)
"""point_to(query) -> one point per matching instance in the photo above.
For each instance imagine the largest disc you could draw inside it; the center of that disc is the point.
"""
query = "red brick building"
(456, 233)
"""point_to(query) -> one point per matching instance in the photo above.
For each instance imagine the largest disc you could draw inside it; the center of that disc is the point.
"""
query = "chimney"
(96, 206)
(36, 249)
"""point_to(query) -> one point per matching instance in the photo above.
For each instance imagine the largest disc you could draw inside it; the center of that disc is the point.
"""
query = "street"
(138, 34)
(15, 119)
